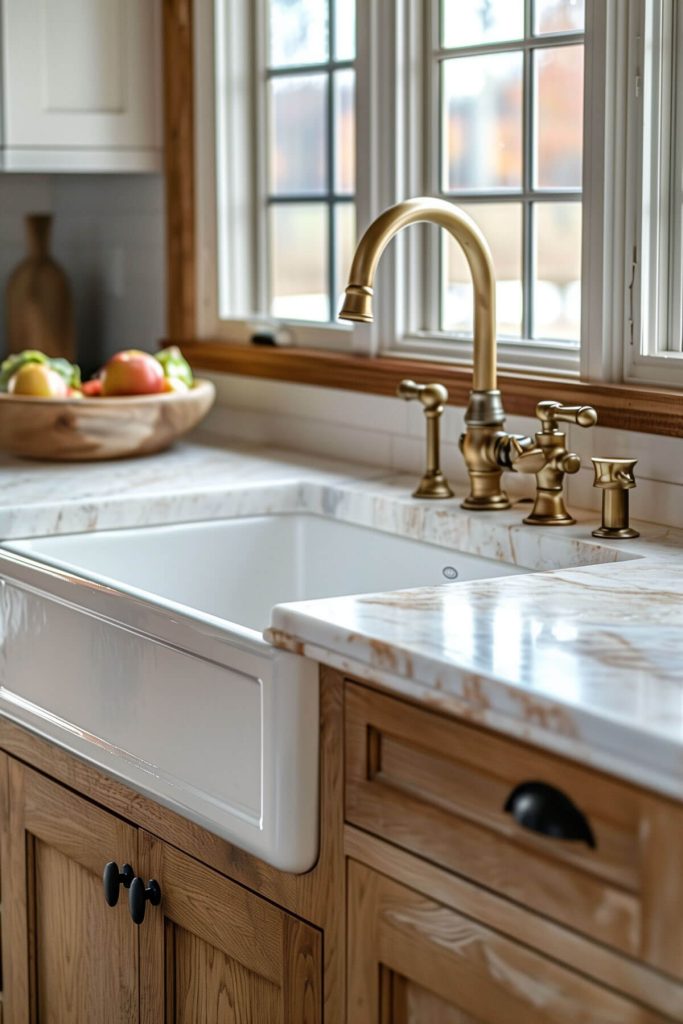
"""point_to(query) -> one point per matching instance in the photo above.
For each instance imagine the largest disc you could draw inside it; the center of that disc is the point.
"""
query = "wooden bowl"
(81, 429)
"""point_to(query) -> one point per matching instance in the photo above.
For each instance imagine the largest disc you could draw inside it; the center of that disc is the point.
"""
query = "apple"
(39, 381)
(132, 372)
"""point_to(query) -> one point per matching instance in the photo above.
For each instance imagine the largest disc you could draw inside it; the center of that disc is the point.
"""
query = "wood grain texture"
(90, 429)
(4, 837)
(413, 1004)
(209, 986)
(440, 788)
(472, 968)
(302, 953)
(84, 949)
(178, 62)
(626, 407)
(232, 956)
(637, 981)
(68, 956)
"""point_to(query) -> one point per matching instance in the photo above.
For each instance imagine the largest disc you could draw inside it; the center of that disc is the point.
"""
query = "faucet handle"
(550, 413)
(432, 396)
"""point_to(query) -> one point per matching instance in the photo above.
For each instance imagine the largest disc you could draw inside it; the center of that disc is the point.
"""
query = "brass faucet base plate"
(435, 486)
(489, 503)
(616, 533)
(546, 520)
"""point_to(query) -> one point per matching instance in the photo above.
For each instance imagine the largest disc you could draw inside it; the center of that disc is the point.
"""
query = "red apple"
(132, 373)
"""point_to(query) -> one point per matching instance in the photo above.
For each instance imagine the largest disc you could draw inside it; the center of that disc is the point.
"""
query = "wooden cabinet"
(440, 788)
(211, 951)
(214, 952)
(67, 955)
(413, 960)
(81, 85)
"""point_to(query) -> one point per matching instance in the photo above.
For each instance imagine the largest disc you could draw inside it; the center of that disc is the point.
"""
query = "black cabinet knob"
(542, 808)
(113, 879)
(139, 895)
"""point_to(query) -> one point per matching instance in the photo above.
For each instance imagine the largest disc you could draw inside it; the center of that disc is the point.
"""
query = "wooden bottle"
(38, 302)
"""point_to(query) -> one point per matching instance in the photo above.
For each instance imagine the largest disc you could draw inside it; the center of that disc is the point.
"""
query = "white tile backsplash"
(108, 234)
(389, 432)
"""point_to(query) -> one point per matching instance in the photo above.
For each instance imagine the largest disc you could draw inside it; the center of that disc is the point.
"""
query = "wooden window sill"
(649, 410)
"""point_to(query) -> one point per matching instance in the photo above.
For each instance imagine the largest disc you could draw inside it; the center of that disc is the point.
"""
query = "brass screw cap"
(615, 478)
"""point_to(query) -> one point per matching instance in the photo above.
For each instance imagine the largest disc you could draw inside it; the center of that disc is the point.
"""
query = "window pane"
(557, 280)
(298, 126)
(345, 30)
(345, 245)
(558, 77)
(344, 132)
(298, 261)
(501, 224)
(470, 22)
(559, 16)
(298, 32)
(482, 122)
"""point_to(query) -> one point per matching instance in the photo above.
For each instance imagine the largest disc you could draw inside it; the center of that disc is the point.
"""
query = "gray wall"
(108, 234)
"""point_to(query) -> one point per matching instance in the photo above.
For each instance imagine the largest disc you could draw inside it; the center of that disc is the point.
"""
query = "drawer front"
(414, 960)
(440, 788)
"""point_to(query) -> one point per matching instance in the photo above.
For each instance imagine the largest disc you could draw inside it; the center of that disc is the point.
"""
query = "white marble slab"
(586, 661)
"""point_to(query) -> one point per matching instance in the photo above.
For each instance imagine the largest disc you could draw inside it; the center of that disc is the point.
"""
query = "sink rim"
(20, 550)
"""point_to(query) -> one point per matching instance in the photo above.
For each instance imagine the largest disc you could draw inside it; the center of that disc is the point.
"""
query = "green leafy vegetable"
(15, 362)
(175, 365)
(69, 371)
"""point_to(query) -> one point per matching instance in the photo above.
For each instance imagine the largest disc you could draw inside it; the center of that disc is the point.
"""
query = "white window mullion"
(611, 179)
(675, 339)
(655, 356)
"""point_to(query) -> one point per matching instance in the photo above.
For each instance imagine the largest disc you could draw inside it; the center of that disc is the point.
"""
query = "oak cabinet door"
(213, 952)
(412, 960)
(67, 955)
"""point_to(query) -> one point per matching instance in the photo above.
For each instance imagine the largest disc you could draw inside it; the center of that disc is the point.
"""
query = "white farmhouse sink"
(141, 650)
(239, 569)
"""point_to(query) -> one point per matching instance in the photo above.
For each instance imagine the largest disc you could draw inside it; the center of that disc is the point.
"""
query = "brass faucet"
(549, 507)
(486, 447)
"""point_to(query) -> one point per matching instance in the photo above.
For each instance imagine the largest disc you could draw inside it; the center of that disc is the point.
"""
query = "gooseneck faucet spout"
(358, 302)
(486, 448)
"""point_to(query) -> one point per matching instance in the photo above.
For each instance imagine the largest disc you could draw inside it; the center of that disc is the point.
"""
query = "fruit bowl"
(84, 429)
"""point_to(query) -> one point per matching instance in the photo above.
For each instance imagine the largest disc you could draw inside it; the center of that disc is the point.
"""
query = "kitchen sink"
(237, 570)
(141, 651)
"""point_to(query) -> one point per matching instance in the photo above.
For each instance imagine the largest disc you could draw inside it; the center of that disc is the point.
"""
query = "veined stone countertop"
(586, 661)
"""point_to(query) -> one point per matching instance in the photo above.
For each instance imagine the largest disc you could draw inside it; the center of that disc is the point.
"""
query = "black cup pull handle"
(113, 879)
(544, 809)
(139, 895)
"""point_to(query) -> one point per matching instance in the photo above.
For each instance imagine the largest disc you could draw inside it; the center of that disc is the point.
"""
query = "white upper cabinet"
(81, 87)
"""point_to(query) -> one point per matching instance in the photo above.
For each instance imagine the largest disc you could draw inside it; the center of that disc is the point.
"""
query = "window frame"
(423, 336)
(648, 408)
(656, 242)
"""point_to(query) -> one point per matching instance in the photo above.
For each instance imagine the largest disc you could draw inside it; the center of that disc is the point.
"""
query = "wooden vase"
(38, 302)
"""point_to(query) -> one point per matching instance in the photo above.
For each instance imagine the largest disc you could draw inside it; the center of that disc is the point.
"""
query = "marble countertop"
(583, 657)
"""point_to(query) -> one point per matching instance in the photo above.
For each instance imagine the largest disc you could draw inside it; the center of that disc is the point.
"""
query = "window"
(327, 111)
(311, 161)
(510, 102)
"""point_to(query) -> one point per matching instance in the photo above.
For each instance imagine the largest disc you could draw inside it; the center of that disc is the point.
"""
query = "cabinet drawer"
(413, 959)
(439, 788)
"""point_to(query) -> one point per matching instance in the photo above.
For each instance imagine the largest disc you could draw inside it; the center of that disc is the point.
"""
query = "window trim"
(648, 409)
